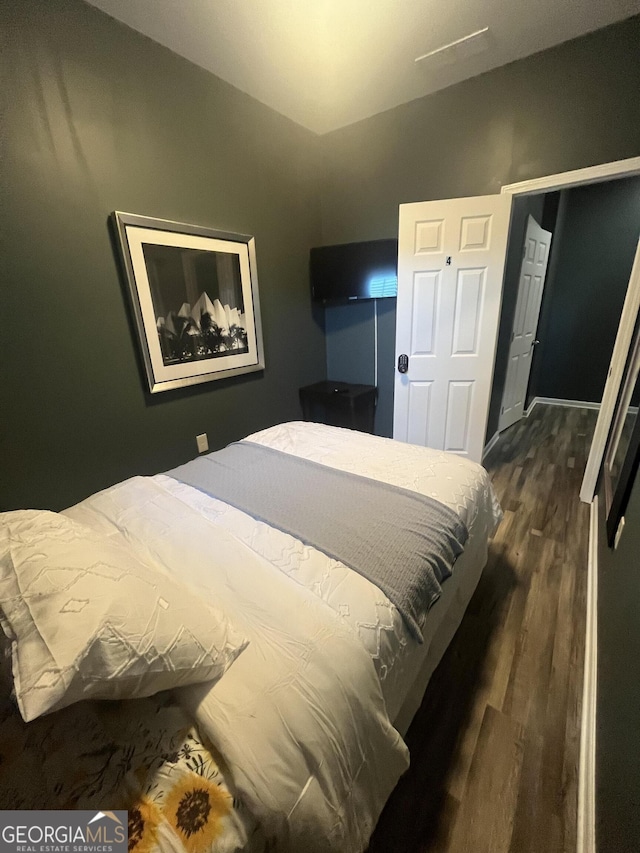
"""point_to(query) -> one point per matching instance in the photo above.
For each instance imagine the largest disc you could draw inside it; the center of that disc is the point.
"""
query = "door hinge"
(502, 411)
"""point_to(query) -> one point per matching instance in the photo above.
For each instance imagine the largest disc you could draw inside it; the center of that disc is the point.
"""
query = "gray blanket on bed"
(403, 542)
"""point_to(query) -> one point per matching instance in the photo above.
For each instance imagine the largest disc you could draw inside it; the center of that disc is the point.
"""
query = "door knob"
(535, 343)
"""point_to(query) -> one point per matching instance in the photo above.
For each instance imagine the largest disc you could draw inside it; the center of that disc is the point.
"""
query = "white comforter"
(463, 486)
(300, 718)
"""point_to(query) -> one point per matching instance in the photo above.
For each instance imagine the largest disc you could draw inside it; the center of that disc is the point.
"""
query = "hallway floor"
(495, 744)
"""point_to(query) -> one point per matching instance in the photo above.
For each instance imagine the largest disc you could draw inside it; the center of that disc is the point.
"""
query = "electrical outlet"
(202, 442)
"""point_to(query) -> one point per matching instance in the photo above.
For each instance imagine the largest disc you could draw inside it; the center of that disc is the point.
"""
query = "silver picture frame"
(194, 295)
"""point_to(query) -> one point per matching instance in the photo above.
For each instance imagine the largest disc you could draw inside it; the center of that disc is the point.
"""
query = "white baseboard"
(490, 444)
(587, 767)
(557, 401)
(568, 404)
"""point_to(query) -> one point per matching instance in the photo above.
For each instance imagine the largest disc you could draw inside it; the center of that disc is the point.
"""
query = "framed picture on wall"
(194, 293)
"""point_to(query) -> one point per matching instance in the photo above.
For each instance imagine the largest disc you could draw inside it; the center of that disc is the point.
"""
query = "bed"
(271, 717)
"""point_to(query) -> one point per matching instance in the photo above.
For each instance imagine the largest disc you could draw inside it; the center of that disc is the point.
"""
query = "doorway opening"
(546, 186)
(456, 303)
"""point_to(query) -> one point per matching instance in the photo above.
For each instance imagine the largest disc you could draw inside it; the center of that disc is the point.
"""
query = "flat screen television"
(349, 271)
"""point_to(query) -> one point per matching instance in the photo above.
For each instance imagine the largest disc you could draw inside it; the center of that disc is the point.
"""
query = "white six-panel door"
(451, 257)
(535, 257)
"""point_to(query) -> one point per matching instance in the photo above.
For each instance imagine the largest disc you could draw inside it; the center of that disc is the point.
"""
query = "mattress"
(297, 734)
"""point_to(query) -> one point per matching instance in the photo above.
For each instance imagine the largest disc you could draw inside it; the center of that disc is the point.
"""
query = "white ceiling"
(328, 63)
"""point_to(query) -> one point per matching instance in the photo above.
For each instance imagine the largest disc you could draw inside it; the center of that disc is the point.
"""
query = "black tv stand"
(342, 404)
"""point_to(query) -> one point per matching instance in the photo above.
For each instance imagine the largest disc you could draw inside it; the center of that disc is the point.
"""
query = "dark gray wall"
(351, 347)
(346, 363)
(98, 118)
(566, 108)
(593, 249)
(618, 705)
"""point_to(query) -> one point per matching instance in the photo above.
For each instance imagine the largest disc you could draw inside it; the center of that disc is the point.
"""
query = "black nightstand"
(340, 404)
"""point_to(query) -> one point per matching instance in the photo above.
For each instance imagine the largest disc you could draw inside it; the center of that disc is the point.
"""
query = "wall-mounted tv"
(349, 271)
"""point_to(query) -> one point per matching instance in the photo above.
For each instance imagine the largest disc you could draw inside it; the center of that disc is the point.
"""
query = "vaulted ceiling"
(328, 63)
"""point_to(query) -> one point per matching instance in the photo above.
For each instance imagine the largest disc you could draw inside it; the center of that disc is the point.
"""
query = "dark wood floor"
(495, 745)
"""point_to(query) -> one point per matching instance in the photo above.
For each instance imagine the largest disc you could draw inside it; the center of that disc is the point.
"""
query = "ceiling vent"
(470, 45)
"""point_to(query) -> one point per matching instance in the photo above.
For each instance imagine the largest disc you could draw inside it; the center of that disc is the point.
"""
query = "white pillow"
(87, 619)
